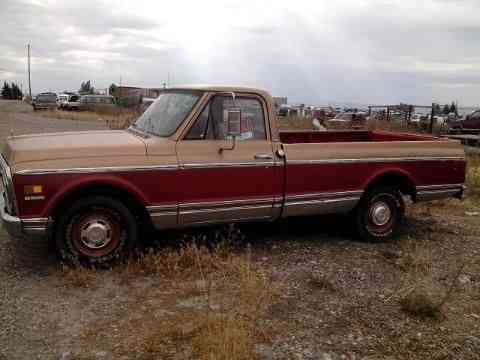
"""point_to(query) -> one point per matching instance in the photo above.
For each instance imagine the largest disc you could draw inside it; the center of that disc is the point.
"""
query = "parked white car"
(73, 103)
(62, 99)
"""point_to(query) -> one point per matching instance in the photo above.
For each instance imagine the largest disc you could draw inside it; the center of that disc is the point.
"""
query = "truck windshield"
(166, 114)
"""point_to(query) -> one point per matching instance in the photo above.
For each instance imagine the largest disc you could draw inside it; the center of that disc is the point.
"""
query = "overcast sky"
(364, 51)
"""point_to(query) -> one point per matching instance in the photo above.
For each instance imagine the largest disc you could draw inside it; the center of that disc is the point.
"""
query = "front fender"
(57, 187)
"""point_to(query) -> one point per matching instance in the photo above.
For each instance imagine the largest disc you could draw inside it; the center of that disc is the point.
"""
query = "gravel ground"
(340, 298)
(19, 118)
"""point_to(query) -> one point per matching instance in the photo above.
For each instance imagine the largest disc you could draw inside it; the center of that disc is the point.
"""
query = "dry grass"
(114, 118)
(321, 282)
(421, 304)
(183, 262)
(294, 123)
(213, 310)
(426, 300)
(421, 294)
(473, 175)
(209, 250)
(78, 277)
(416, 257)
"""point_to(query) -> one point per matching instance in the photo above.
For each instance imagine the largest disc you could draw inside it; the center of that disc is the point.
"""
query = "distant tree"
(86, 88)
(6, 91)
(11, 91)
(446, 109)
(437, 109)
(112, 89)
(16, 92)
(453, 108)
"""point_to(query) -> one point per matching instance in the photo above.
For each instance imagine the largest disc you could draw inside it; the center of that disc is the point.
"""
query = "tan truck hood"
(70, 145)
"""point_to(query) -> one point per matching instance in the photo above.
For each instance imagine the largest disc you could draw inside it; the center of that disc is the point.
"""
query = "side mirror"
(234, 122)
(233, 127)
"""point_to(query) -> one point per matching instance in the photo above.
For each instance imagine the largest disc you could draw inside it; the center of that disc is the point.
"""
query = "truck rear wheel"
(379, 214)
(97, 230)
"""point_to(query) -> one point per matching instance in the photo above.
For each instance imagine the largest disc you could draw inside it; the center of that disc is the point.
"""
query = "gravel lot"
(339, 298)
(20, 119)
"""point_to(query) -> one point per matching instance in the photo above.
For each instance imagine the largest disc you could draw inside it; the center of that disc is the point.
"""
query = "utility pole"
(432, 116)
(29, 79)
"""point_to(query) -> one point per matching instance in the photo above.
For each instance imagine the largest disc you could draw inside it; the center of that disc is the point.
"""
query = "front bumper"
(16, 227)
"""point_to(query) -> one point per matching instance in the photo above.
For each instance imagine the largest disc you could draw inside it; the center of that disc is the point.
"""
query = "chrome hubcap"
(96, 233)
(380, 213)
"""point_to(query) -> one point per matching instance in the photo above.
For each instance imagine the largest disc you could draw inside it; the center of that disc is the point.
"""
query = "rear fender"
(391, 175)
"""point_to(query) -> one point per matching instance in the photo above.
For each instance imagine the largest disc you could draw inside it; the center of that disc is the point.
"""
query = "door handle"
(263, 157)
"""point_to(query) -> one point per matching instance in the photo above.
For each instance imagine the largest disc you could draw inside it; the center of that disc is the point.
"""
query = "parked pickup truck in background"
(213, 154)
(471, 122)
(44, 101)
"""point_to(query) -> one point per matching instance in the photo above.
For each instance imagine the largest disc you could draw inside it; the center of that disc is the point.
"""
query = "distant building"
(132, 95)
(279, 101)
(133, 91)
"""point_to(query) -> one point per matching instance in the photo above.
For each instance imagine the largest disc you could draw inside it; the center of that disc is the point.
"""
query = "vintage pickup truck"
(213, 154)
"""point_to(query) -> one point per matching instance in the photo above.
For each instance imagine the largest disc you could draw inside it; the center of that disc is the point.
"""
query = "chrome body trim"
(320, 206)
(324, 195)
(436, 192)
(163, 216)
(227, 165)
(220, 221)
(160, 208)
(146, 168)
(223, 204)
(7, 181)
(198, 213)
(224, 209)
(96, 169)
(439, 187)
(321, 203)
(372, 160)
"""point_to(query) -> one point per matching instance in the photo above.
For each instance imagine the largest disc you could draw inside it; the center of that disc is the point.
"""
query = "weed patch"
(216, 300)
(78, 277)
(421, 303)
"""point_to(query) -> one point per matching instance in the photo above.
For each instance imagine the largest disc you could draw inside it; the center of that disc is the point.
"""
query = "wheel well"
(125, 197)
(400, 181)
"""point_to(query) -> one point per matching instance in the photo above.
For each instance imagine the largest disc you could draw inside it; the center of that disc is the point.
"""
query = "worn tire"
(379, 214)
(96, 230)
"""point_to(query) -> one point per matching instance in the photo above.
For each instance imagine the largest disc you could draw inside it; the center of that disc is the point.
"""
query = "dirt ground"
(415, 297)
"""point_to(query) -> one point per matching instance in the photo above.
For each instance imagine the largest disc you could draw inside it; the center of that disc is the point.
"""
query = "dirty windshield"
(166, 114)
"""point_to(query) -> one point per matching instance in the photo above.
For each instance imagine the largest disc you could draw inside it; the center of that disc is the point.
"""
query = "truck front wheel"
(96, 231)
(379, 214)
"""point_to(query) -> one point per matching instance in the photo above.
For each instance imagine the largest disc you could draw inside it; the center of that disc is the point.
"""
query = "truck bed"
(294, 137)
(334, 168)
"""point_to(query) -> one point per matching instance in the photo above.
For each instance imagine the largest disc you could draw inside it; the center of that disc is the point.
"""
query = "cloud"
(313, 52)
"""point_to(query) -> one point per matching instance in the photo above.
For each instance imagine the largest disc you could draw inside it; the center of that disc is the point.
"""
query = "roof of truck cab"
(222, 88)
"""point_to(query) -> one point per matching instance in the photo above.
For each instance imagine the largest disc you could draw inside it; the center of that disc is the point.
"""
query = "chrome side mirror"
(234, 122)
(233, 125)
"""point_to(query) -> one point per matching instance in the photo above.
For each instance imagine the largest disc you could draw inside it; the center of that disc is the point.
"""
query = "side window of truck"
(211, 123)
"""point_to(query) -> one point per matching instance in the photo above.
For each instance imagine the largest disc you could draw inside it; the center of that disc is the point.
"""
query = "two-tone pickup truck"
(213, 154)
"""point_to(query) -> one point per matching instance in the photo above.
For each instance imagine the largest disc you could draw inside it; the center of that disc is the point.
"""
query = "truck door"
(221, 181)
